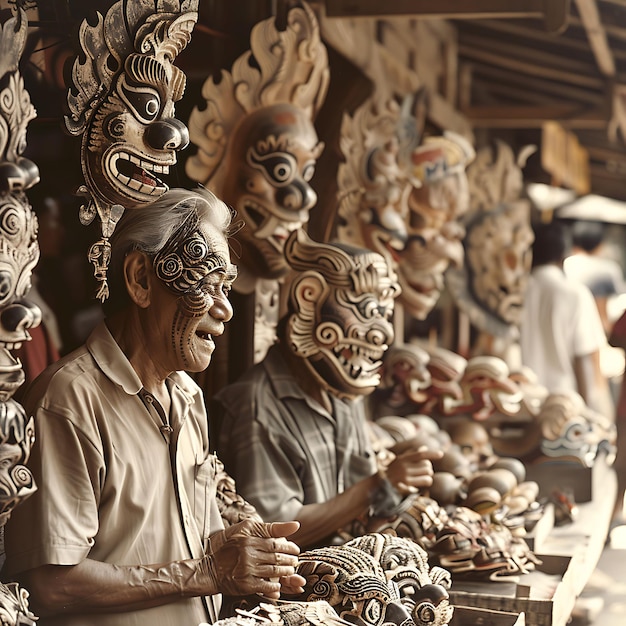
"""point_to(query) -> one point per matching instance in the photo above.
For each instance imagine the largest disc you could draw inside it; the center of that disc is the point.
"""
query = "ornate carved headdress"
(122, 103)
(288, 66)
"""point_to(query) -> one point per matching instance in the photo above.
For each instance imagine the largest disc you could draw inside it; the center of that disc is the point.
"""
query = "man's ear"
(136, 276)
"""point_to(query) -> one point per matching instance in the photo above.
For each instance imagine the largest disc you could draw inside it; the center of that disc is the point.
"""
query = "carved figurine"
(19, 253)
(121, 102)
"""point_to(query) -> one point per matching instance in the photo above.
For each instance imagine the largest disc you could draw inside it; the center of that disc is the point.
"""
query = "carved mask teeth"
(358, 360)
(136, 173)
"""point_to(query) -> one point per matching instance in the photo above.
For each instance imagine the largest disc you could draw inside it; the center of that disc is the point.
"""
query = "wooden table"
(570, 553)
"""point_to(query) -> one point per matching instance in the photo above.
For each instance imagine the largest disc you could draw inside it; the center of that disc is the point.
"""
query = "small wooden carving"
(318, 613)
(566, 430)
(121, 102)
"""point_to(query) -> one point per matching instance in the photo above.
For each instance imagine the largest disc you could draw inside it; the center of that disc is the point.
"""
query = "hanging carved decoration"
(19, 253)
(121, 102)
(490, 287)
(257, 147)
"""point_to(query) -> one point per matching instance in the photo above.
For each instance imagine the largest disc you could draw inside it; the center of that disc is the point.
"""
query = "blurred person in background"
(561, 332)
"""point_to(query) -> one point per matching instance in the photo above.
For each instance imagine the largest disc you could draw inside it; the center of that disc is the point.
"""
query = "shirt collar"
(285, 384)
(279, 375)
(116, 366)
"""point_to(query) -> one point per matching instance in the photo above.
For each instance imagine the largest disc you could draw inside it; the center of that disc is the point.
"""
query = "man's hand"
(412, 470)
(254, 557)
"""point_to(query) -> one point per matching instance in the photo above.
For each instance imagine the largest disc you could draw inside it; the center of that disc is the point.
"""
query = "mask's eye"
(144, 102)
(308, 171)
(372, 611)
(279, 168)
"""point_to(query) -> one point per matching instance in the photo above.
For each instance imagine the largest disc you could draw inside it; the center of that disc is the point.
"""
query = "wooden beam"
(525, 53)
(599, 153)
(554, 12)
(527, 33)
(588, 10)
(533, 69)
(568, 116)
(542, 88)
(619, 3)
(453, 9)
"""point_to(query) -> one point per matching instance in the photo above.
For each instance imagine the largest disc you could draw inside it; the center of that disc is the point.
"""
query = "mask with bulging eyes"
(354, 584)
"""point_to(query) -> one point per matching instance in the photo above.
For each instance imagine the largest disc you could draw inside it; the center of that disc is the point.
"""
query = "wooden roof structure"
(545, 72)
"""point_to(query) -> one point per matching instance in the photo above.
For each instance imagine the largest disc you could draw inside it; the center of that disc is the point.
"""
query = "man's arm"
(593, 385)
(407, 473)
(241, 561)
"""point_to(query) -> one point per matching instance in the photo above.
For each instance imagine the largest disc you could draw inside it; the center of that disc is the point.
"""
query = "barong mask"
(190, 269)
(423, 590)
(354, 584)
(341, 302)
(257, 146)
(491, 286)
(122, 103)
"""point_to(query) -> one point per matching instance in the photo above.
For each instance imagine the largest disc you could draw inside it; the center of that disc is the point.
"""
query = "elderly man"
(124, 527)
(293, 432)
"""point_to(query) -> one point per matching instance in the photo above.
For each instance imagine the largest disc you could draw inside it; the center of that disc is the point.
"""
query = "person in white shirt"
(561, 333)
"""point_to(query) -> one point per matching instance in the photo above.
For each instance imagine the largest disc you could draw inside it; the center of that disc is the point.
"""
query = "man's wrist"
(384, 499)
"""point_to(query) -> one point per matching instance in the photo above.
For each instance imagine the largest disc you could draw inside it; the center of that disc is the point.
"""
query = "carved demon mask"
(434, 231)
(378, 580)
(341, 302)
(257, 147)
(122, 103)
(19, 250)
(402, 199)
(491, 286)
